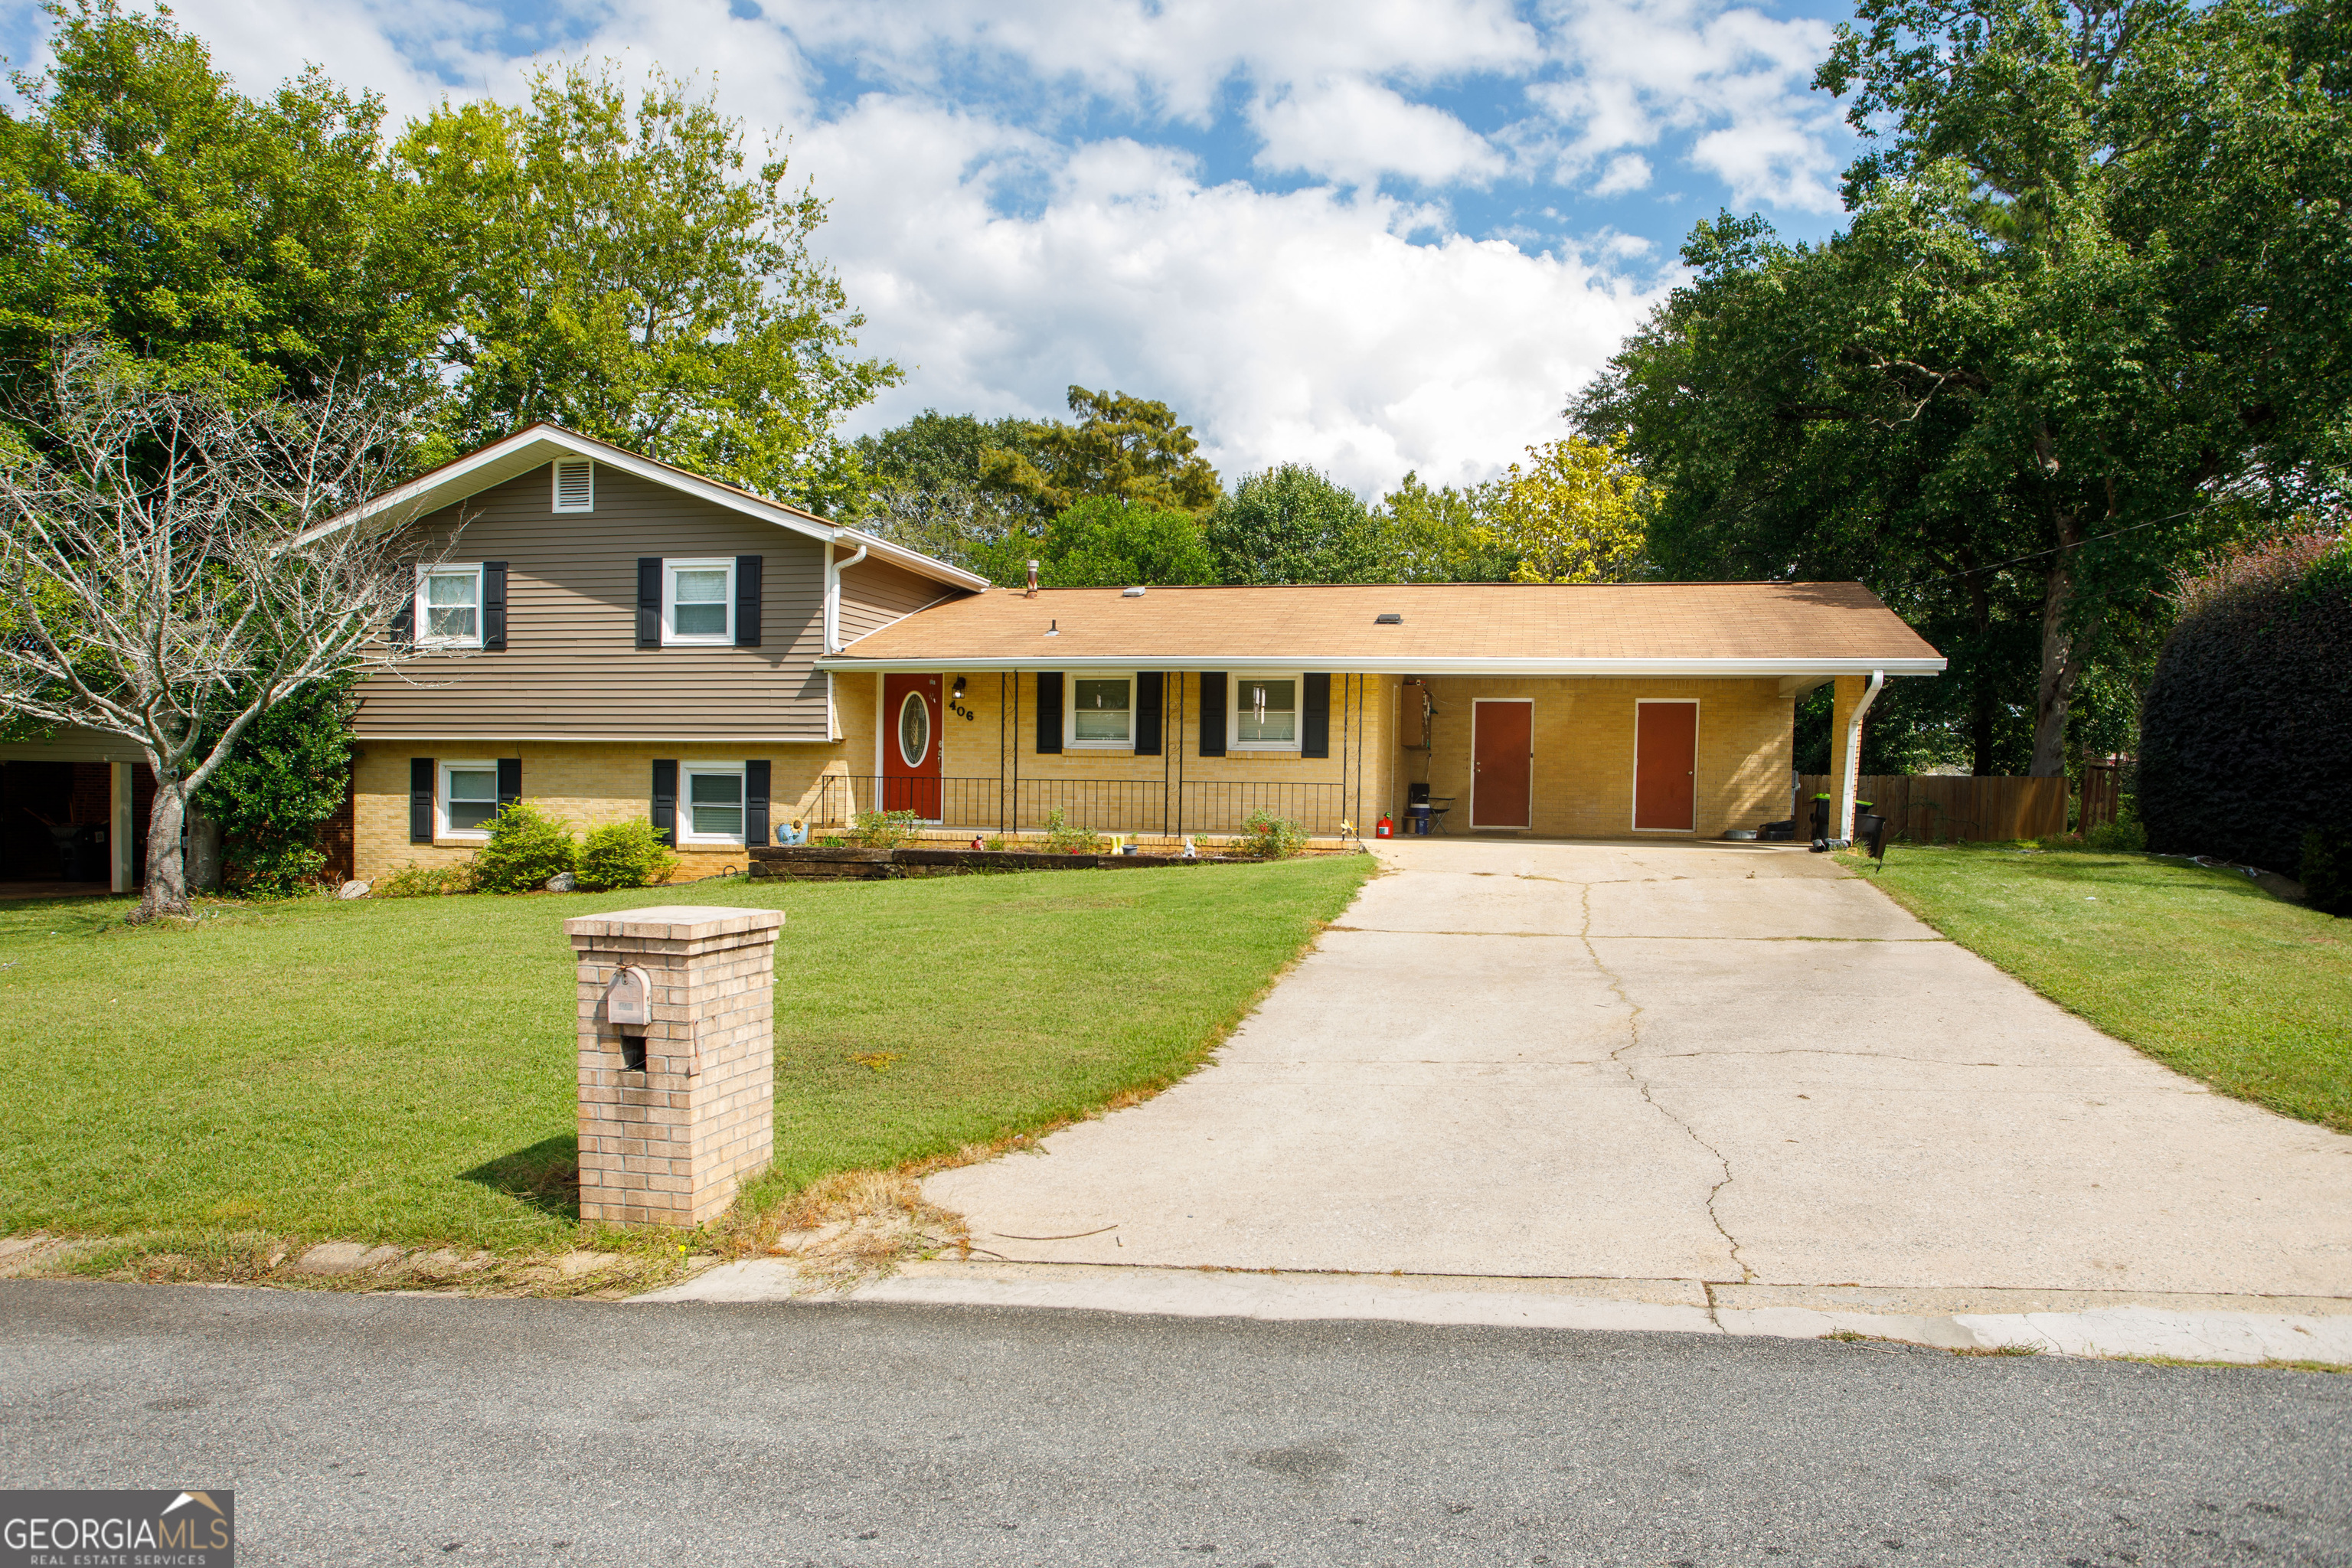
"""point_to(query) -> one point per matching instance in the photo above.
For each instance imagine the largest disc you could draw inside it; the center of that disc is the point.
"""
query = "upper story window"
(450, 606)
(699, 602)
(1101, 712)
(1265, 713)
(575, 484)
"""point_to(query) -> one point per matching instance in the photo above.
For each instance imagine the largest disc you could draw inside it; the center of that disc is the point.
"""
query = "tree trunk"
(167, 890)
(2062, 660)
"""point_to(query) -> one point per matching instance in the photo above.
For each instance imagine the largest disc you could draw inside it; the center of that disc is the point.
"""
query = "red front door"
(1502, 762)
(1665, 765)
(910, 744)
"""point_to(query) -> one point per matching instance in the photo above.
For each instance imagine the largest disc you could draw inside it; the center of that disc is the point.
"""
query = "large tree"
(164, 576)
(2002, 397)
(1127, 448)
(619, 264)
(244, 245)
(1292, 524)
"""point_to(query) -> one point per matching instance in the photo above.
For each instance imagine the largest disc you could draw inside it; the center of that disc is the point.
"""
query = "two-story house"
(611, 637)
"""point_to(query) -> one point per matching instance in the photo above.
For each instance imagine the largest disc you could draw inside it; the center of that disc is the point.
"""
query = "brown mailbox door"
(1502, 761)
(910, 744)
(1665, 765)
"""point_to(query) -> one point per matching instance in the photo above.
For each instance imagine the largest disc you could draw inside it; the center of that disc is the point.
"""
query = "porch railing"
(1106, 805)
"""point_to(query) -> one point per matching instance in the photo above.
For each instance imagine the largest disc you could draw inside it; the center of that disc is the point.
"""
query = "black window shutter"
(1315, 723)
(420, 800)
(747, 601)
(403, 624)
(649, 587)
(510, 781)
(1148, 684)
(1213, 712)
(666, 800)
(1049, 712)
(494, 606)
(755, 797)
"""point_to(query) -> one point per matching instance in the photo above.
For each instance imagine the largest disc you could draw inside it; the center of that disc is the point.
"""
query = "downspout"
(832, 571)
(1842, 826)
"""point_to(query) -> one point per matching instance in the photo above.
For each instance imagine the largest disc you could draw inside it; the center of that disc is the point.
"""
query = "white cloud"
(1354, 132)
(1639, 69)
(1626, 172)
(1002, 246)
(1288, 327)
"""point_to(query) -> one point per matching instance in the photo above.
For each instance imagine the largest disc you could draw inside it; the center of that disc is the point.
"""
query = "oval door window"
(914, 728)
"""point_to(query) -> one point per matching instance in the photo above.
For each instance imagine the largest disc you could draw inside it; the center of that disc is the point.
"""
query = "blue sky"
(1370, 235)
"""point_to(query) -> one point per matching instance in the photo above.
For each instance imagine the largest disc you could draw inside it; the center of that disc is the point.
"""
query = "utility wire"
(1977, 570)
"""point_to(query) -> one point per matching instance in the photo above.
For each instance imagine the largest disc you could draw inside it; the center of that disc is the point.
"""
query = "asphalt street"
(364, 1429)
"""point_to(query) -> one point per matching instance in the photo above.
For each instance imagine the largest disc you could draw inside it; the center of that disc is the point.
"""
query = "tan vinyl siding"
(873, 594)
(571, 669)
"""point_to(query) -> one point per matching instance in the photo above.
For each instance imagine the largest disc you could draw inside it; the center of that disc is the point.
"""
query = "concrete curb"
(1594, 1305)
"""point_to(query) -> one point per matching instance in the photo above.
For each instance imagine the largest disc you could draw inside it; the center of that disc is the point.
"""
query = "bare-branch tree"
(165, 574)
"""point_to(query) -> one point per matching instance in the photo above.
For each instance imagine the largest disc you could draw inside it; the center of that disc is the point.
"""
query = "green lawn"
(402, 1071)
(2200, 969)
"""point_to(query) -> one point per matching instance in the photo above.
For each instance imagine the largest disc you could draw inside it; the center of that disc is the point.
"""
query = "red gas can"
(1384, 829)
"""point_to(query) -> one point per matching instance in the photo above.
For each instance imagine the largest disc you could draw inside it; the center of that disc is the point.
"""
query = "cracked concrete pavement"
(1735, 1065)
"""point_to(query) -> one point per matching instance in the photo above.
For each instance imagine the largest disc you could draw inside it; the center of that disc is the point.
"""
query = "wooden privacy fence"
(2104, 783)
(1933, 808)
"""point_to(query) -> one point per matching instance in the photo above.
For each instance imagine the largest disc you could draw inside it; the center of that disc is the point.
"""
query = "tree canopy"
(1128, 448)
(1106, 544)
(2003, 396)
(1291, 524)
(244, 245)
(619, 264)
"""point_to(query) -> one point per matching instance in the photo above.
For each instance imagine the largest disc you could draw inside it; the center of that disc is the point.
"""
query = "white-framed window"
(697, 602)
(469, 799)
(450, 606)
(710, 804)
(575, 484)
(1264, 715)
(1098, 712)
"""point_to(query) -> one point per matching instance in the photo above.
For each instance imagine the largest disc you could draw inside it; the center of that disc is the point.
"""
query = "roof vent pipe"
(1033, 580)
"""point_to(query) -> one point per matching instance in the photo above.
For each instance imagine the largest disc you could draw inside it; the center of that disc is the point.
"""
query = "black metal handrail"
(1105, 806)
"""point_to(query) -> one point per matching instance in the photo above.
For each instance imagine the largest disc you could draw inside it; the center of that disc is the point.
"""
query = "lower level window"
(714, 803)
(469, 798)
(1265, 713)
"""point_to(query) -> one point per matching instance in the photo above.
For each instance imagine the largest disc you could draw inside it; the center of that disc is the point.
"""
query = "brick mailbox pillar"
(677, 1111)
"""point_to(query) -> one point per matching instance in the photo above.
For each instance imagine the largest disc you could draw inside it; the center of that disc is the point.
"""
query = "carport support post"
(677, 1113)
(1849, 704)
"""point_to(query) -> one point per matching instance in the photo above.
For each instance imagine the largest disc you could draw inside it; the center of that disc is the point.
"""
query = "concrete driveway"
(1731, 1064)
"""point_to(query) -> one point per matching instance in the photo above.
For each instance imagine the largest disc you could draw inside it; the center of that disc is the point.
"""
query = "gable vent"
(575, 485)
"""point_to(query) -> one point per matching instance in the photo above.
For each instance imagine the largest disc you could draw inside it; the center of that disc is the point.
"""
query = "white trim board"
(1816, 670)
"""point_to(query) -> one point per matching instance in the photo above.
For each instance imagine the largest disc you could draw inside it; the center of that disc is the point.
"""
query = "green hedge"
(2246, 733)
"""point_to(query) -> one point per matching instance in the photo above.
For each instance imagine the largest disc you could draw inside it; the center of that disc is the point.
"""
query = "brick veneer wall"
(671, 1145)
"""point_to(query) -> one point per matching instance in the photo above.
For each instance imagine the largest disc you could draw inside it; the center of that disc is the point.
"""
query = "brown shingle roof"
(1502, 627)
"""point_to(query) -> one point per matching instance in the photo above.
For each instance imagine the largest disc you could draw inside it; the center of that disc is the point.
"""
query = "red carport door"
(910, 744)
(1502, 762)
(1665, 765)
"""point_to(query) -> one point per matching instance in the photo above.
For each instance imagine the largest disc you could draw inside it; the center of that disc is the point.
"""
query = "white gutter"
(1356, 664)
(1842, 825)
(832, 571)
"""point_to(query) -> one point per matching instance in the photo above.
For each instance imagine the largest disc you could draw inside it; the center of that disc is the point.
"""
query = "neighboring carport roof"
(1815, 629)
(543, 442)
